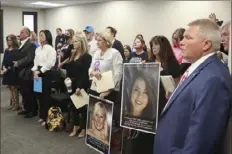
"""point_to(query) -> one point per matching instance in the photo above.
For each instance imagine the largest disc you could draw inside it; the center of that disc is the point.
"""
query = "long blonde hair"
(106, 38)
(79, 36)
(34, 37)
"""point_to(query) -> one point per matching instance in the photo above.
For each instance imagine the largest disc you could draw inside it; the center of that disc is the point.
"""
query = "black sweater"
(118, 45)
(78, 72)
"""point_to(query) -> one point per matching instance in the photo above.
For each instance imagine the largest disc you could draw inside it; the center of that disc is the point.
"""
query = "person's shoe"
(23, 112)
(43, 123)
(9, 108)
(74, 132)
(40, 120)
(29, 115)
(82, 134)
(15, 108)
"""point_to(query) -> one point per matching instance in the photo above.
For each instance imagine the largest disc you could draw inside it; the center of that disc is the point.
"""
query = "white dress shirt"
(111, 60)
(197, 63)
(45, 56)
(23, 42)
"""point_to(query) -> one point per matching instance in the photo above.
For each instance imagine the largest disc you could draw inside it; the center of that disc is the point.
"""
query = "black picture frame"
(35, 14)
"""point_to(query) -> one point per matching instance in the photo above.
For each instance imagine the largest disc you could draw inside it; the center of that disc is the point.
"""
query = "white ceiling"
(27, 3)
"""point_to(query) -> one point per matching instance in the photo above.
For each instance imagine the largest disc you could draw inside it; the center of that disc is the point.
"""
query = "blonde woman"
(106, 59)
(34, 39)
(77, 71)
(99, 129)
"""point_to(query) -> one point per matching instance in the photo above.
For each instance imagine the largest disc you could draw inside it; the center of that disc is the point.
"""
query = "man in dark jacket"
(60, 39)
(116, 44)
(24, 61)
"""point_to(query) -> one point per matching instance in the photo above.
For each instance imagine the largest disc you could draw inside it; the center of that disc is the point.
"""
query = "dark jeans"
(79, 116)
(45, 97)
(28, 97)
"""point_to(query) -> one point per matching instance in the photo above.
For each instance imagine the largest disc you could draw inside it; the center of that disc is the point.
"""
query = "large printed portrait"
(99, 124)
(140, 96)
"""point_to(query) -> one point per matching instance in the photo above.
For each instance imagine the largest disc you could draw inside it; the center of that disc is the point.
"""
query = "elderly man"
(24, 62)
(225, 36)
(195, 118)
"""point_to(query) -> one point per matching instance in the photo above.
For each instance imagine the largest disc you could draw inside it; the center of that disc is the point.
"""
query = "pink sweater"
(178, 55)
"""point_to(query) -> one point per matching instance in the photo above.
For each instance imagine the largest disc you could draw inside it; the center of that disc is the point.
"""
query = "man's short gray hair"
(208, 30)
(27, 30)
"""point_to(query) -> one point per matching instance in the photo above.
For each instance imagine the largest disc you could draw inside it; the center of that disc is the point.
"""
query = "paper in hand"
(80, 100)
(38, 85)
(168, 83)
(105, 83)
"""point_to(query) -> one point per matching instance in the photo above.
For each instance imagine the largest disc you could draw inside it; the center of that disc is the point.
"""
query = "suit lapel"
(181, 87)
(25, 44)
(178, 90)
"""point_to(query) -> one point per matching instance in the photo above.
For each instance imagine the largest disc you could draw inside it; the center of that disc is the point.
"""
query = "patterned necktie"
(184, 76)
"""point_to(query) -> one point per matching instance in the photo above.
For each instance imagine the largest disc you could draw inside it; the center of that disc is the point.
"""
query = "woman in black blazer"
(77, 68)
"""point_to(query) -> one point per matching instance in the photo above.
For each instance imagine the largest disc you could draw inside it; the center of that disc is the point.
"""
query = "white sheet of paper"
(106, 82)
(168, 83)
(80, 100)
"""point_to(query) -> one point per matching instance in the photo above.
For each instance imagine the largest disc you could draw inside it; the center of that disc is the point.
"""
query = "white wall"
(12, 20)
(132, 17)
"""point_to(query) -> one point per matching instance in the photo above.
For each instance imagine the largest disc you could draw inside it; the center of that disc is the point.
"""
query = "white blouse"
(111, 60)
(45, 56)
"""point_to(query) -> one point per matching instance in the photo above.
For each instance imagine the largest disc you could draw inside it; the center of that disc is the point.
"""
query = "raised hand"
(213, 17)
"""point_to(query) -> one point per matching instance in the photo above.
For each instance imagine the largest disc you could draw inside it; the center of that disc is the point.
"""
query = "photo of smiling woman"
(140, 97)
(99, 124)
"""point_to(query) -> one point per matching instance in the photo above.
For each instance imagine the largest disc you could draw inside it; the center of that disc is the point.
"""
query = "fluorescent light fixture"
(3, 2)
(47, 4)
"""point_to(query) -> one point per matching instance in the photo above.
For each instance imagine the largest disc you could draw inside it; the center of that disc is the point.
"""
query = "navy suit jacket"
(196, 117)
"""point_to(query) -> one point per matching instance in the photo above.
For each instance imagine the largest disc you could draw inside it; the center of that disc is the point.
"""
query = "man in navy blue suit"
(195, 118)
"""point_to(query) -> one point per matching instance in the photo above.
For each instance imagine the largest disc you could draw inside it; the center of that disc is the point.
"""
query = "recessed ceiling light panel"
(47, 4)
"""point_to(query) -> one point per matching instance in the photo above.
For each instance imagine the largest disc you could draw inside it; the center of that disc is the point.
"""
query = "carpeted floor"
(26, 136)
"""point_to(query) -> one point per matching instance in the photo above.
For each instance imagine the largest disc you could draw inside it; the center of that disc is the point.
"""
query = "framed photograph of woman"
(99, 124)
(140, 96)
